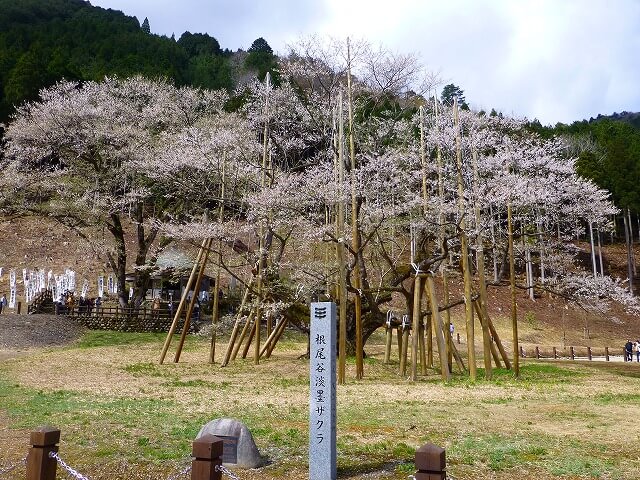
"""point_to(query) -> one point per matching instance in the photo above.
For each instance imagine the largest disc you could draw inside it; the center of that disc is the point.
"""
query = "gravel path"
(20, 332)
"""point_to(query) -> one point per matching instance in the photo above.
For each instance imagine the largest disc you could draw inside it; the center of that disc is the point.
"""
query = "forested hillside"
(608, 152)
(43, 41)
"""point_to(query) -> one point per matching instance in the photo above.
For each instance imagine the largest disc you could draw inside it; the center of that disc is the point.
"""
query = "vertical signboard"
(322, 392)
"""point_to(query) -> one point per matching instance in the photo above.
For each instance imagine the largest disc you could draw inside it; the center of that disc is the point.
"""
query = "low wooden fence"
(128, 319)
(43, 459)
(571, 352)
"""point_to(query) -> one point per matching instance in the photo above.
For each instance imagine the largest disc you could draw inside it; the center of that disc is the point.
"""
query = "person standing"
(628, 351)
(638, 351)
(3, 302)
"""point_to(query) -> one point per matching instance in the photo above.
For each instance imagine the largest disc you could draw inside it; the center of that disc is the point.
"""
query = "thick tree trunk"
(119, 262)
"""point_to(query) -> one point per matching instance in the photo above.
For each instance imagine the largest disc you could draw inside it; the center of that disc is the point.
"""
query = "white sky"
(555, 60)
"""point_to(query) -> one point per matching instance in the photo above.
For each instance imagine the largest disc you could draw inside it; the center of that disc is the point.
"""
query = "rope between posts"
(225, 471)
(11, 468)
(74, 473)
(182, 472)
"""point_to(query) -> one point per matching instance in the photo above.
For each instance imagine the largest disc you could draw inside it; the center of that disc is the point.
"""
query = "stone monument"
(322, 393)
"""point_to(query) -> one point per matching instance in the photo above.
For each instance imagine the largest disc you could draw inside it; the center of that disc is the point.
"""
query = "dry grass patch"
(117, 407)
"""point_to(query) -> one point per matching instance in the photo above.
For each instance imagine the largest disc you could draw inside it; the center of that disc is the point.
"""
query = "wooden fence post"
(431, 463)
(555, 353)
(19, 307)
(39, 465)
(573, 355)
(458, 339)
(207, 453)
(537, 352)
(589, 353)
(606, 353)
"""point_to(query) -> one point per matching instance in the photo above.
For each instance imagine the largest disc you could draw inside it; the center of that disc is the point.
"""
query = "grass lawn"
(123, 416)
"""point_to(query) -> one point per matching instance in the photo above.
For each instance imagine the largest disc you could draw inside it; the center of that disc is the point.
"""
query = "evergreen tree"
(451, 92)
(145, 26)
(261, 59)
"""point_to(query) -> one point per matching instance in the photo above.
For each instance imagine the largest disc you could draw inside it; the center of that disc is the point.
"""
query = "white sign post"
(322, 393)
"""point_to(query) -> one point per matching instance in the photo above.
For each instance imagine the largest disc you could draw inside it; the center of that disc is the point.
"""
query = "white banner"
(100, 286)
(0, 272)
(130, 293)
(72, 280)
(110, 284)
(24, 275)
(12, 278)
(12, 298)
(85, 288)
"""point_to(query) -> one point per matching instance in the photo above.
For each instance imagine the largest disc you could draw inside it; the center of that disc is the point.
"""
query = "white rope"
(225, 471)
(71, 471)
(182, 472)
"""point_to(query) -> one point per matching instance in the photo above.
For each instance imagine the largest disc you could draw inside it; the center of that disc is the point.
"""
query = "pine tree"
(145, 26)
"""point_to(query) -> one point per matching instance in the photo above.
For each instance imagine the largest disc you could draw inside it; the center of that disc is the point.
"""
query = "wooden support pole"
(399, 330)
(606, 353)
(271, 338)
(447, 313)
(183, 300)
(435, 313)
(39, 465)
(555, 353)
(194, 299)
(589, 353)
(207, 458)
(252, 333)
(284, 323)
(537, 352)
(417, 307)
(236, 326)
(428, 329)
(423, 353)
(405, 347)
(456, 355)
(464, 249)
(387, 348)
(243, 334)
(512, 282)
(573, 354)
(484, 320)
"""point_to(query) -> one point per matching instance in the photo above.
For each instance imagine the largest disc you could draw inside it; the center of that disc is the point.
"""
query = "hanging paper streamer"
(72, 280)
(24, 275)
(27, 292)
(12, 298)
(12, 278)
(100, 286)
(110, 284)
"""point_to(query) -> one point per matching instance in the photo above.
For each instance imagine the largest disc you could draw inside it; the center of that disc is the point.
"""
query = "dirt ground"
(22, 333)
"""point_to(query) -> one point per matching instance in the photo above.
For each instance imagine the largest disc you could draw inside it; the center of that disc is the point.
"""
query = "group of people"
(629, 349)
(67, 301)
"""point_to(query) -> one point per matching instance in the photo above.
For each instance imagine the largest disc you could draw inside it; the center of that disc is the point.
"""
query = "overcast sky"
(555, 60)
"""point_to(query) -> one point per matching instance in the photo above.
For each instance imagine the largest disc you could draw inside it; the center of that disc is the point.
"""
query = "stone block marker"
(431, 463)
(39, 465)
(322, 392)
(239, 448)
(207, 453)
